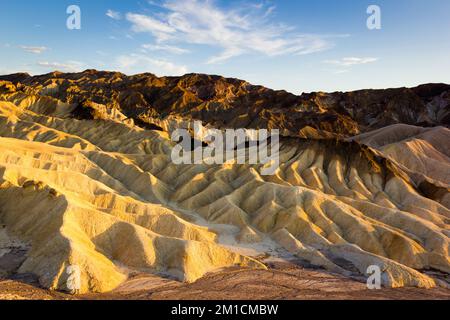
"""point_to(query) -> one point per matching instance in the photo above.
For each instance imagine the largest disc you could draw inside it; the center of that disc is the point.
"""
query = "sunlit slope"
(105, 195)
(424, 151)
(75, 213)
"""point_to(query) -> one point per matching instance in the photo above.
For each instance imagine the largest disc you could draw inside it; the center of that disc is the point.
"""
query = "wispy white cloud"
(114, 14)
(69, 66)
(35, 50)
(143, 23)
(269, 11)
(164, 47)
(138, 63)
(234, 31)
(351, 61)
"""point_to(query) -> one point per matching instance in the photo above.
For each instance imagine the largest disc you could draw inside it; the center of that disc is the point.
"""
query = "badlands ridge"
(86, 179)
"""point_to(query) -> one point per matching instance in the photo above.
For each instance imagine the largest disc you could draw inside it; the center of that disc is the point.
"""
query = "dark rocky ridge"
(232, 103)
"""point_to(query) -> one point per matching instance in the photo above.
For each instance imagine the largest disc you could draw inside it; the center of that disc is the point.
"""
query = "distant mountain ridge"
(232, 103)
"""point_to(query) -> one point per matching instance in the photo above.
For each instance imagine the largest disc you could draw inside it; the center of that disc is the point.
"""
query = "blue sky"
(299, 46)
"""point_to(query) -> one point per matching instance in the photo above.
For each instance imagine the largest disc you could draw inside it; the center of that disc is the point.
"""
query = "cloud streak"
(233, 31)
(35, 50)
(166, 48)
(70, 66)
(351, 61)
(137, 63)
(113, 14)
